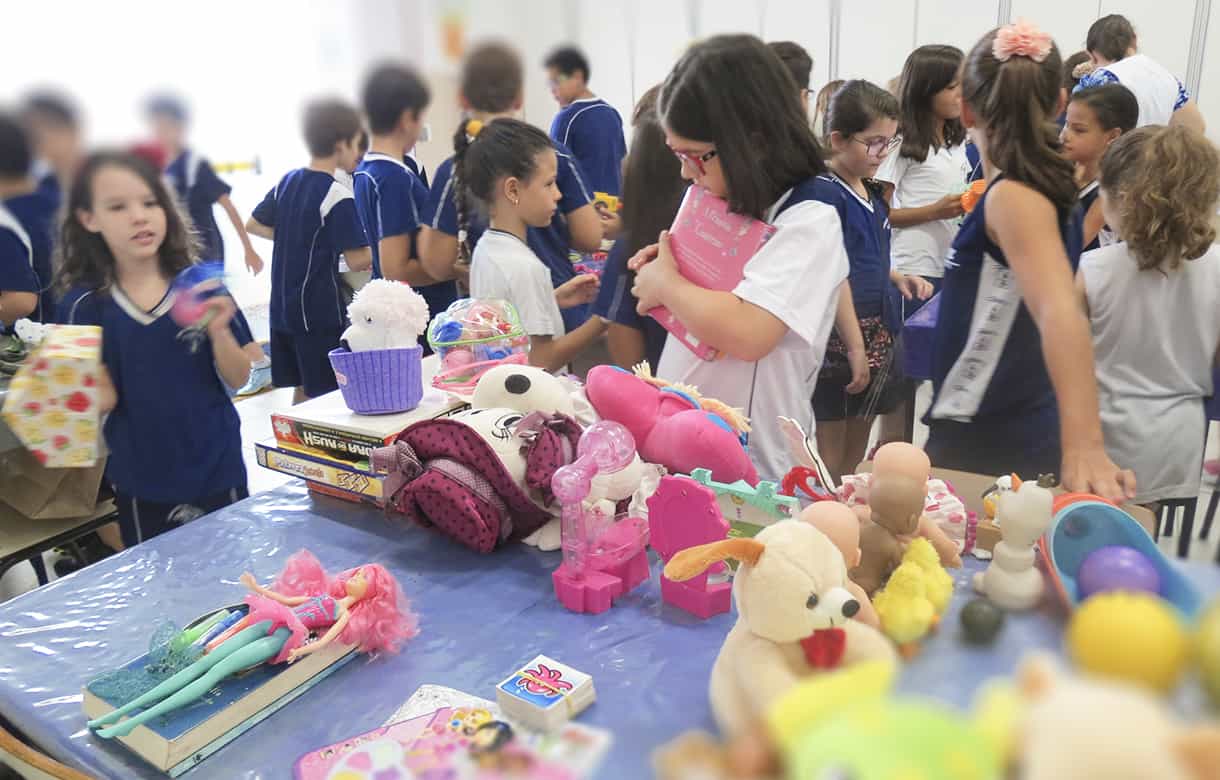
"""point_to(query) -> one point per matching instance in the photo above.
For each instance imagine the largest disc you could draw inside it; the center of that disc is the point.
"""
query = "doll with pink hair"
(363, 606)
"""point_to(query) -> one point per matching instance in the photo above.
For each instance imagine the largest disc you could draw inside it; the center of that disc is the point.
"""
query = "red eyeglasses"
(696, 161)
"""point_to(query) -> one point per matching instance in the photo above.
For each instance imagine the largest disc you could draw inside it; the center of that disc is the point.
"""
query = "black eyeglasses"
(878, 146)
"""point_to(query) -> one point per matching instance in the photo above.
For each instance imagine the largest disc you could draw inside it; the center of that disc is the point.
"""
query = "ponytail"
(461, 142)
(1016, 100)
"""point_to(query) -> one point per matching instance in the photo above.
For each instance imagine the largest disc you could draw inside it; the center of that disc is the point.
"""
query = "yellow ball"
(1131, 636)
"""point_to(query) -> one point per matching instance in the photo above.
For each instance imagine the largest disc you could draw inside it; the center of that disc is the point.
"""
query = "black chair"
(1164, 520)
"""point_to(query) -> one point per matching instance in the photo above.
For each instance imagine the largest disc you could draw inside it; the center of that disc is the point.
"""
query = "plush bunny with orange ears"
(794, 618)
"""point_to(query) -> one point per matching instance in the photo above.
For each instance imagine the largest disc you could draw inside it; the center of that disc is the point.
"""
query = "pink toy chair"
(681, 514)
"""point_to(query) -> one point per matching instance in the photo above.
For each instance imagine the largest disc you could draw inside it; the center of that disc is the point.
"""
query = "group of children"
(870, 225)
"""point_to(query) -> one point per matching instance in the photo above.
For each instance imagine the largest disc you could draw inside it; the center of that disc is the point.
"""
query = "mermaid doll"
(362, 606)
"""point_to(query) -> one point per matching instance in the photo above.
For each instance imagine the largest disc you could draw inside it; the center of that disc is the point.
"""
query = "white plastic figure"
(1012, 581)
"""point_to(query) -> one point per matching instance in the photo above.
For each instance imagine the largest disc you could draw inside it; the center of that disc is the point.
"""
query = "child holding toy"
(1154, 304)
(860, 376)
(740, 132)
(1096, 117)
(173, 434)
(1012, 360)
(510, 167)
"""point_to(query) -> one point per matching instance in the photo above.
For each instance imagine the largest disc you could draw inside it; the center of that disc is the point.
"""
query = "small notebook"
(711, 245)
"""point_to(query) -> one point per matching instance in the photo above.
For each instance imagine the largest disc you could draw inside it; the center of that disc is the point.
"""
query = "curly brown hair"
(1164, 183)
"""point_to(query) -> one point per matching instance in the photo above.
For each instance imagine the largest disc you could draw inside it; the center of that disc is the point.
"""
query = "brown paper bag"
(43, 493)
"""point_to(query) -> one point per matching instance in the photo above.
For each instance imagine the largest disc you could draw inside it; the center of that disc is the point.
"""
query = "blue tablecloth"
(481, 617)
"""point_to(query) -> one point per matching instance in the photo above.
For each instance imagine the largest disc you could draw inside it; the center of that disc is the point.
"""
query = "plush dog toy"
(385, 315)
(673, 425)
(794, 618)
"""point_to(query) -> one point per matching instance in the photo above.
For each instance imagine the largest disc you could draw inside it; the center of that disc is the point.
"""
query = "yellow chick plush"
(905, 611)
(937, 582)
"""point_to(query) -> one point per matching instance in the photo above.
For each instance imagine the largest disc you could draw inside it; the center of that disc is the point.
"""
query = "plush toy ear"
(694, 561)
(1198, 749)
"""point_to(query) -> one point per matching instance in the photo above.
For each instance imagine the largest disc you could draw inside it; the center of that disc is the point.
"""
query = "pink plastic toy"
(682, 514)
(603, 554)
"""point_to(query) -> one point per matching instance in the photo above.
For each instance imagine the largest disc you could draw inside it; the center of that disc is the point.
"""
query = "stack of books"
(328, 445)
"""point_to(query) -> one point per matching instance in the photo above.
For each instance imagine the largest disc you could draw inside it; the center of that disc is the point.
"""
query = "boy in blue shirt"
(28, 225)
(196, 182)
(389, 196)
(586, 124)
(491, 87)
(312, 219)
(54, 129)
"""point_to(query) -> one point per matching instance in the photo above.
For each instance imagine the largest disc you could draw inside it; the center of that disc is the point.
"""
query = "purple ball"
(1115, 567)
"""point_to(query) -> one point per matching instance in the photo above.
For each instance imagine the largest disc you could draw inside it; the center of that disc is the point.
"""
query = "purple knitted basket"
(379, 381)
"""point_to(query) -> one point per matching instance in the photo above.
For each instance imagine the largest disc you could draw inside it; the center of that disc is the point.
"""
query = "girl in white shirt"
(1154, 305)
(510, 167)
(928, 174)
(730, 114)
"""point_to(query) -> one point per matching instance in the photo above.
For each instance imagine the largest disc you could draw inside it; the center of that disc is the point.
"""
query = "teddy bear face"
(797, 587)
(524, 388)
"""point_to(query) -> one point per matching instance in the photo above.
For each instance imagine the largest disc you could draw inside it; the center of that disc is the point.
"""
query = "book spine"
(345, 495)
(330, 442)
(336, 474)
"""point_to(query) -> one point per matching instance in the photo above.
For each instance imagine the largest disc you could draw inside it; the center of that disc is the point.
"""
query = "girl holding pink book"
(730, 113)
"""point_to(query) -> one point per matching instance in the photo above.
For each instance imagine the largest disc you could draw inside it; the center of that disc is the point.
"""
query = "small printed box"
(545, 694)
(52, 403)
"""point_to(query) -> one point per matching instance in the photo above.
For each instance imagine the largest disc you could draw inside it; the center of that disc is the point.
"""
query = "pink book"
(711, 246)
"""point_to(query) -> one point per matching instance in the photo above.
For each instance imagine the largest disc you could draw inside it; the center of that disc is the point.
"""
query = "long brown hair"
(1164, 182)
(652, 184)
(1016, 101)
(84, 259)
(928, 71)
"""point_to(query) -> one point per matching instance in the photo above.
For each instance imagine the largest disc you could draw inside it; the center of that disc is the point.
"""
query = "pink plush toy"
(672, 425)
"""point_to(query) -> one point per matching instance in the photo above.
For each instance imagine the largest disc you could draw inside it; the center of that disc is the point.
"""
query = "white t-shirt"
(921, 249)
(796, 277)
(1154, 338)
(503, 266)
(1158, 92)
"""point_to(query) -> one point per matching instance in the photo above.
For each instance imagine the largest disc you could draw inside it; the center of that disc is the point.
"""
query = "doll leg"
(256, 652)
(185, 676)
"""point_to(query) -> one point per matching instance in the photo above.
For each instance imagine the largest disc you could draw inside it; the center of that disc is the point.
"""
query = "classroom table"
(481, 617)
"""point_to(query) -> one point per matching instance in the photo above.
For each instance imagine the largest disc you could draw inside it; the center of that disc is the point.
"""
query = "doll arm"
(331, 635)
(867, 615)
(945, 547)
(248, 580)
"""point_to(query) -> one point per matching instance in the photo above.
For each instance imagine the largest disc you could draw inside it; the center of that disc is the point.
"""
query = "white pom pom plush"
(385, 315)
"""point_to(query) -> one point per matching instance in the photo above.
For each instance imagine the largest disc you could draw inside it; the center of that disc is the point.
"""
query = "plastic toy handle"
(605, 446)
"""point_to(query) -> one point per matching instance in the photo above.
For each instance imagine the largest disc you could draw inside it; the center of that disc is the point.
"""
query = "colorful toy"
(362, 606)
(842, 528)
(981, 621)
(1207, 652)
(749, 509)
(937, 582)
(378, 362)
(1012, 581)
(991, 499)
(545, 694)
(1076, 727)
(191, 290)
(1129, 636)
(794, 618)
(682, 514)
(1115, 567)
(898, 492)
(673, 425)
(972, 195)
(904, 609)
(472, 336)
(1086, 524)
(603, 554)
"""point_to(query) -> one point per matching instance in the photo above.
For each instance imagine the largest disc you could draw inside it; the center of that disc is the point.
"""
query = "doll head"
(380, 616)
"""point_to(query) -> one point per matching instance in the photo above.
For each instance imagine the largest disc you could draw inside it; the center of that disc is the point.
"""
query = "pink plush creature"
(672, 427)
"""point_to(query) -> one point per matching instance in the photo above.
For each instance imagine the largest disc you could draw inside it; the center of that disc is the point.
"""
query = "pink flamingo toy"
(603, 556)
(681, 514)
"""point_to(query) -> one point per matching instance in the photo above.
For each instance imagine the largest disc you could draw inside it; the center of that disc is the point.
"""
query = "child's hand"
(857, 359)
(949, 207)
(1090, 470)
(219, 311)
(653, 277)
(612, 224)
(253, 261)
(913, 286)
(643, 257)
(577, 291)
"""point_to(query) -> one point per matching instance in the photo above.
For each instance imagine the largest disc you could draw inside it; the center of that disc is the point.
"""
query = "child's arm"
(626, 344)
(1189, 116)
(719, 319)
(253, 261)
(577, 291)
(848, 327)
(1082, 294)
(107, 396)
(1093, 222)
(948, 207)
(359, 258)
(1026, 227)
(585, 228)
(231, 361)
(397, 264)
(554, 353)
(256, 228)
(15, 304)
(438, 253)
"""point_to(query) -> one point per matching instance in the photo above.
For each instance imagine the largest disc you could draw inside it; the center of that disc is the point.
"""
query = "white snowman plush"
(385, 315)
